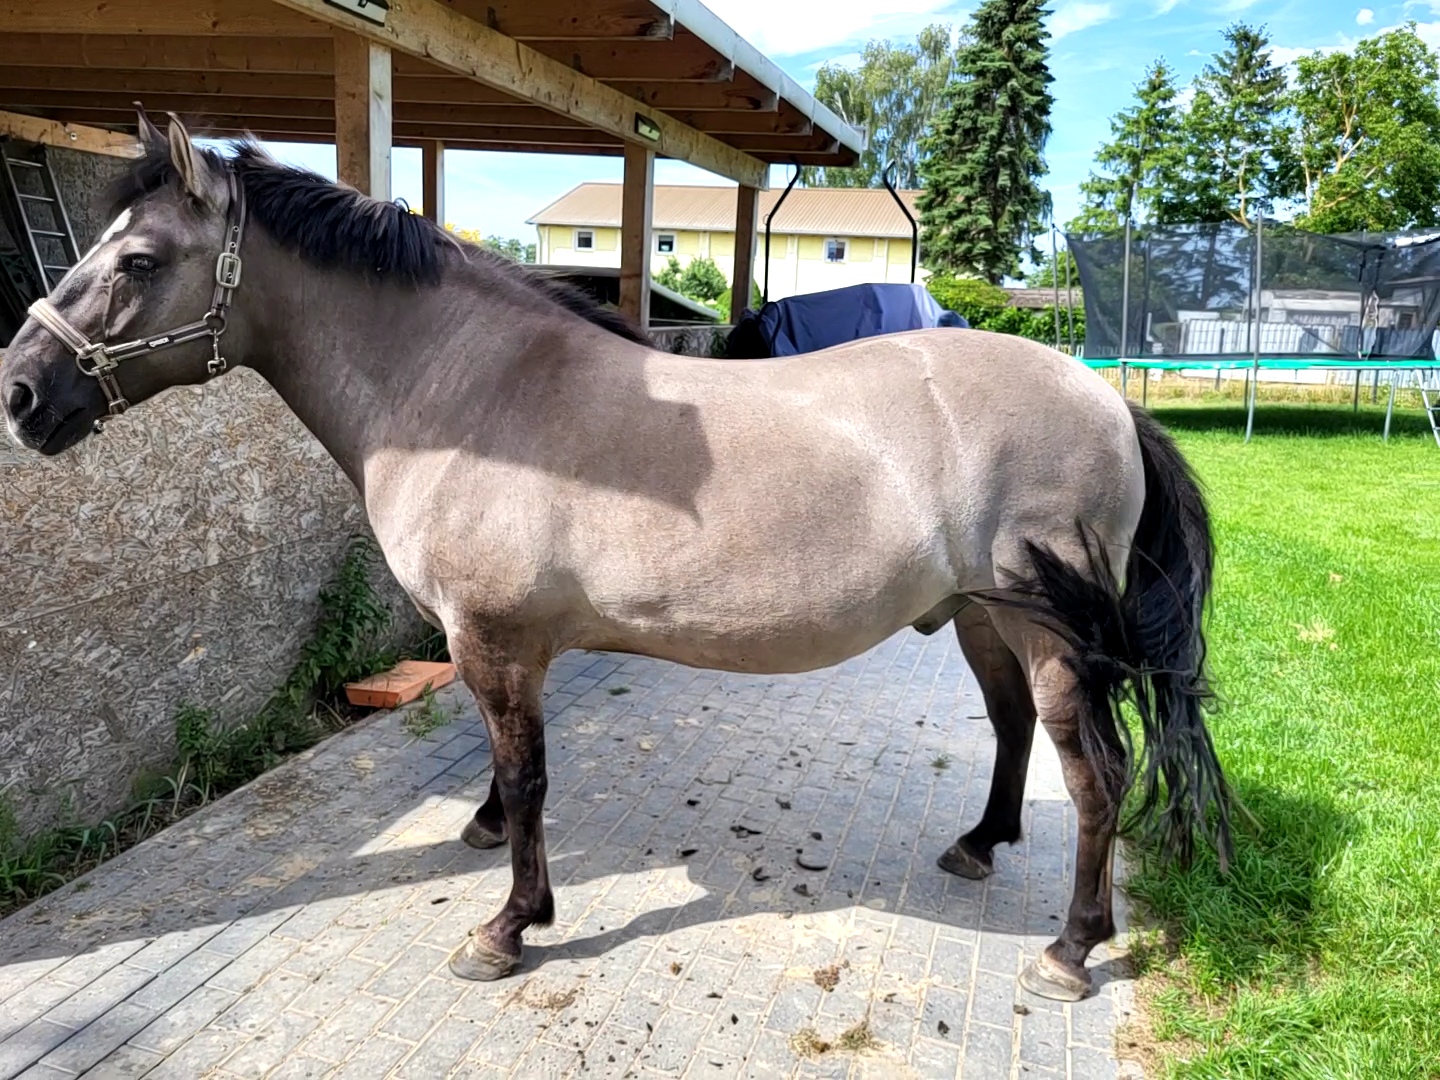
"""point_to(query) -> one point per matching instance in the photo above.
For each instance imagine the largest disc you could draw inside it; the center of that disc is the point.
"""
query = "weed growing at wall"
(210, 760)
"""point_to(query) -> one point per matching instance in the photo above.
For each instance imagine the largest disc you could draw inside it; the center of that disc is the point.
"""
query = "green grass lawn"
(1319, 955)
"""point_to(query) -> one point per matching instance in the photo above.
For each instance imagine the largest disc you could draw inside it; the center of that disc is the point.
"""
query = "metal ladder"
(1430, 398)
(37, 214)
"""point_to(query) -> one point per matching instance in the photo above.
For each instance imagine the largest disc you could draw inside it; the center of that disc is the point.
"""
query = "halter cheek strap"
(99, 359)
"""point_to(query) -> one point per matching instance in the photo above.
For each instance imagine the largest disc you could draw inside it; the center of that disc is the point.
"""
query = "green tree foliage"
(509, 247)
(892, 96)
(700, 280)
(986, 307)
(983, 204)
(1234, 136)
(1139, 168)
(1367, 135)
(1043, 276)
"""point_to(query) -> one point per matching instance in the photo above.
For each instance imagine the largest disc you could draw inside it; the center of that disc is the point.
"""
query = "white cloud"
(1073, 18)
(1364, 17)
(1164, 7)
(790, 27)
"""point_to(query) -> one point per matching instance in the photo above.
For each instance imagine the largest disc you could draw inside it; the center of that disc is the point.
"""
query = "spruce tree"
(983, 205)
(1139, 166)
(1235, 136)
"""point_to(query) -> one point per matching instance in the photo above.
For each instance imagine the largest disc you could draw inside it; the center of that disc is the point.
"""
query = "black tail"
(1144, 644)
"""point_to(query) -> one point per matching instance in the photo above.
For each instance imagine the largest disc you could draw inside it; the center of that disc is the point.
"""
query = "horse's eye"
(139, 265)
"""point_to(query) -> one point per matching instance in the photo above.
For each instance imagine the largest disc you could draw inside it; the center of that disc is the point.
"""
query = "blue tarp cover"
(813, 321)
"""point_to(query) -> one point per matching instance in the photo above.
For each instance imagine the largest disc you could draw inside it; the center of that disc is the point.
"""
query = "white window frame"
(844, 245)
(588, 233)
(660, 248)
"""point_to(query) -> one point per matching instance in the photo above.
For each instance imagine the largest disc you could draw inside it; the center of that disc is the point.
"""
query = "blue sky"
(1099, 51)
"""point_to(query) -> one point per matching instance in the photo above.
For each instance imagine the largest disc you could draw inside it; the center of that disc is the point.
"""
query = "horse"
(541, 479)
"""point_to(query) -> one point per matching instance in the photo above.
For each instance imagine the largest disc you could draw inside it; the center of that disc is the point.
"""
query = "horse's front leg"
(509, 691)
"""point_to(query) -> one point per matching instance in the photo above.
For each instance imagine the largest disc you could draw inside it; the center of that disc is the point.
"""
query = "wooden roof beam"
(430, 30)
(36, 129)
(209, 18)
(277, 55)
(564, 20)
(260, 109)
(739, 94)
(685, 58)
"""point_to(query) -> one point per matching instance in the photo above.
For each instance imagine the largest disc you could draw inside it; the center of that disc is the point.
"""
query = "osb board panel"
(188, 480)
(90, 693)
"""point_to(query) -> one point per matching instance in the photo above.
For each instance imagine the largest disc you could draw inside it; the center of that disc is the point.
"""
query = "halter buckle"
(227, 270)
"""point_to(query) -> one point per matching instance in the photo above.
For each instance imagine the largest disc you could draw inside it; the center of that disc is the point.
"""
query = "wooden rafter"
(210, 18)
(71, 136)
(564, 20)
(430, 30)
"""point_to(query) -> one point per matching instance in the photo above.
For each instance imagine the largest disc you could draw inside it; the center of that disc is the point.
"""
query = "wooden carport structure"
(635, 77)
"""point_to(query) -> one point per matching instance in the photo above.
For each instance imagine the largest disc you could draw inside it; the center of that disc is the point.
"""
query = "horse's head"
(142, 311)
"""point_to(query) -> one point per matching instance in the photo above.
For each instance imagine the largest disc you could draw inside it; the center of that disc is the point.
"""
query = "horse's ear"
(199, 178)
(151, 137)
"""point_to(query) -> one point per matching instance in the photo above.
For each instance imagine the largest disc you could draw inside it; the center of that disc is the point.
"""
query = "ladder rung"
(24, 162)
(48, 232)
(35, 198)
(52, 266)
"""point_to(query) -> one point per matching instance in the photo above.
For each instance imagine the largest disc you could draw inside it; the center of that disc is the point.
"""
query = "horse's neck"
(348, 356)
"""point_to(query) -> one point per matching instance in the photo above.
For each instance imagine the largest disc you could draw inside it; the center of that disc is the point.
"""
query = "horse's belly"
(762, 630)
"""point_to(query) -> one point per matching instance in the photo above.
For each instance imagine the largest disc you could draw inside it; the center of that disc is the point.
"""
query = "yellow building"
(822, 238)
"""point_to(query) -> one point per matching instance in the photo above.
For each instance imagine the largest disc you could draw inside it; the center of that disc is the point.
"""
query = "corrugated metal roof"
(811, 211)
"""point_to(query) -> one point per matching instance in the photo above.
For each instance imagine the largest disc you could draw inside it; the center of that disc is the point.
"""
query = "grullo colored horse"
(541, 479)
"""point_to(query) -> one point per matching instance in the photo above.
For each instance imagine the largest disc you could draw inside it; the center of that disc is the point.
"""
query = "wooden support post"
(637, 209)
(432, 162)
(363, 113)
(747, 218)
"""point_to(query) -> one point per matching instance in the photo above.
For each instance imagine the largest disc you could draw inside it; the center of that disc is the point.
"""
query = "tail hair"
(1142, 644)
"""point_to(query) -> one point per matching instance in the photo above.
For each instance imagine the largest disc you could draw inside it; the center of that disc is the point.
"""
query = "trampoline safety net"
(1225, 291)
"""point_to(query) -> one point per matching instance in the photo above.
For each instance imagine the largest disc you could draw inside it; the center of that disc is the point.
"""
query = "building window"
(665, 243)
(584, 240)
(834, 251)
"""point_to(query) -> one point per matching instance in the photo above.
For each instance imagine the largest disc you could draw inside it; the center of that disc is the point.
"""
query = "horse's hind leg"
(1012, 714)
(1061, 703)
(487, 828)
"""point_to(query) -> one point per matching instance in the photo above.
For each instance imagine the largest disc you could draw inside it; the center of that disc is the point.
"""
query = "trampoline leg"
(1250, 395)
(1389, 406)
(1356, 406)
(1124, 380)
(1375, 386)
(1145, 388)
(1217, 380)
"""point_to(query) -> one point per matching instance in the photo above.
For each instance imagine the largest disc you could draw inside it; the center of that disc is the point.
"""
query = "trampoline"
(1273, 297)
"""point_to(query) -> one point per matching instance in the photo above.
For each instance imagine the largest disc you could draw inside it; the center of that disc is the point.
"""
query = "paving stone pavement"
(300, 927)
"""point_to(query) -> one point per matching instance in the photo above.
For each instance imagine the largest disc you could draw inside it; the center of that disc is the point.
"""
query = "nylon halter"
(99, 359)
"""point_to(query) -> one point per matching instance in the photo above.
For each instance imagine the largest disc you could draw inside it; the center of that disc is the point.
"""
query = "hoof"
(961, 861)
(478, 962)
(479, 838)
(1048, 979)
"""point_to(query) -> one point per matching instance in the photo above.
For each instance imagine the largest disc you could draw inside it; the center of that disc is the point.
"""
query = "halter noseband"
(99, 359)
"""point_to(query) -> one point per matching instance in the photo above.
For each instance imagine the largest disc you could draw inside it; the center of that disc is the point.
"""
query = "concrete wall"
(176, 558)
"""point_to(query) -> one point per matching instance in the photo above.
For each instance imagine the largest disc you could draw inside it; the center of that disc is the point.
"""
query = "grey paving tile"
(342, 965)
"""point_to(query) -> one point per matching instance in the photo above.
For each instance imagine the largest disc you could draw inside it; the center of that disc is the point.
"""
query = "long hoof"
(961, 861)
(478, 962)
(480, 838)
(1047, 978)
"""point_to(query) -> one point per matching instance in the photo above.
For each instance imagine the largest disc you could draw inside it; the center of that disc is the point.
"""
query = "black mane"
(339, 228)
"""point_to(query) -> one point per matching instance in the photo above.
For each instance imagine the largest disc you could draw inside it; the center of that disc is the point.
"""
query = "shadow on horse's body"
(540, 479)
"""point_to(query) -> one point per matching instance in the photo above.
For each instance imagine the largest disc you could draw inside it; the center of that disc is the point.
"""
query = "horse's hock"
(178, 558)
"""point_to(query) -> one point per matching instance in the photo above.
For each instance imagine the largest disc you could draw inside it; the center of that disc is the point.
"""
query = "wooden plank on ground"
(405, 682)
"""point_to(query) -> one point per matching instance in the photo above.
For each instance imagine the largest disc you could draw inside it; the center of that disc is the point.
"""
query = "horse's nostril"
(22, 399)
